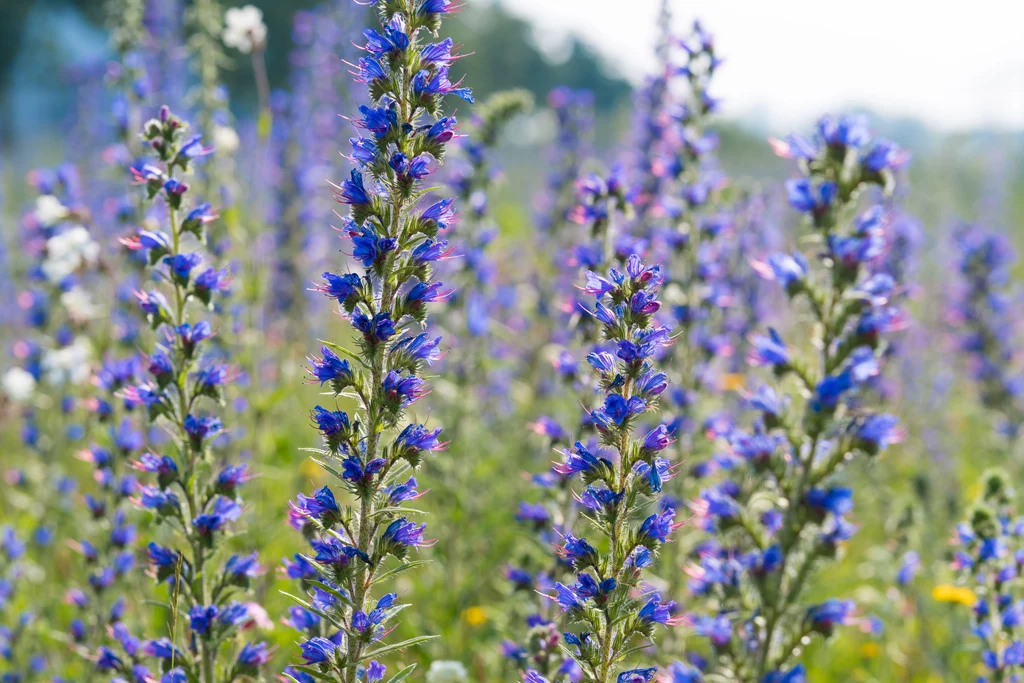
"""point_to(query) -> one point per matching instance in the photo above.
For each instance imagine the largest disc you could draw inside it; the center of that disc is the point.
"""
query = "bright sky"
(952, 63)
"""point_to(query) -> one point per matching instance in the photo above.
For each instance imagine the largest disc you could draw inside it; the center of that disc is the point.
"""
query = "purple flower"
(352, 191)
(419, 438)
(579, 459)
(658, 439)
(423, 293)
(884, 154)
(339, 287)
(405, 389)
(404, 532)
(330, 367)
(657, 612)
(823, 618)
(659, 526)
(875, 432)
(330, 422)
(636, 675)
(770, 350)
(224, 510)
(377, 329)
(317, 650)
(807, 197)
(182, 264)
(717, 629)
(252, 656)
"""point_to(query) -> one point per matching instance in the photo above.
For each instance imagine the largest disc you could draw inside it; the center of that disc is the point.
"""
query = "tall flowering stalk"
(623, 477)
(107, 543)
(357, 547)
(194, 491)
(574, 125)
(21, 658)
(987, 559)
(555, 509)
(987, 331)
(780, 514)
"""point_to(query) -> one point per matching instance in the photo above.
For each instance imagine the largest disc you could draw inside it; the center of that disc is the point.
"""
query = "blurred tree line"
(506, 55)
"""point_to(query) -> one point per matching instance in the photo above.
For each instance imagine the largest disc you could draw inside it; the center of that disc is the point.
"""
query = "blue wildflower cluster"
(622, 476)
(685, 219)
(986, 328)
(22, 658)
(987, 560)
(397, 239)
(778, 513)
(107, 542)
(473, 175)
(746, 385)
(320, 87)
(48, 382)
(191, 489)
(574, 121)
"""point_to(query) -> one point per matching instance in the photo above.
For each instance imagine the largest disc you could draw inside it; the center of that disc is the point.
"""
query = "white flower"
(244, 28)
(49, 210)
(19, 385)
(79, 304)
(69, 251)
(446, 671)
(69, 364)
(225, 139)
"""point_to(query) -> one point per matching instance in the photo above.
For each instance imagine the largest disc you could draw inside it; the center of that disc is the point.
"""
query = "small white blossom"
(49, 210)
(79, 304)
(244, 29)
(69, 364)
(225, 139)
(19, 384)
(446, 671)
(69, 251)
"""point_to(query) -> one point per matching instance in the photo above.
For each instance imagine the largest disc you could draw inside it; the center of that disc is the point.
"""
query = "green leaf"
(312, 671)
(327, 467)
(342, 349)
(398, 570)
(395, 510)
(401, 675)
(387, 649)
(314, 610)
(333, 591)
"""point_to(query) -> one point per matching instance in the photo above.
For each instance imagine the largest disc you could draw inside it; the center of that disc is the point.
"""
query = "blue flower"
(808, 197)
(340, 287)
(252, 656)
(317, 650)
(824, 617)
(404, 532)
(636, 675)
(352, 191)
(770, 350)
(659, 526)
(330, 367)
(370, 248)
(377, 329)
(224, 510)
(656, 611)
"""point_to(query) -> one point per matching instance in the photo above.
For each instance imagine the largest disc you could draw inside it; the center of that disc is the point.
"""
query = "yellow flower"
(475, 616)
(732, 381)
(310, 470)
(960, 594)
(870, 650)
